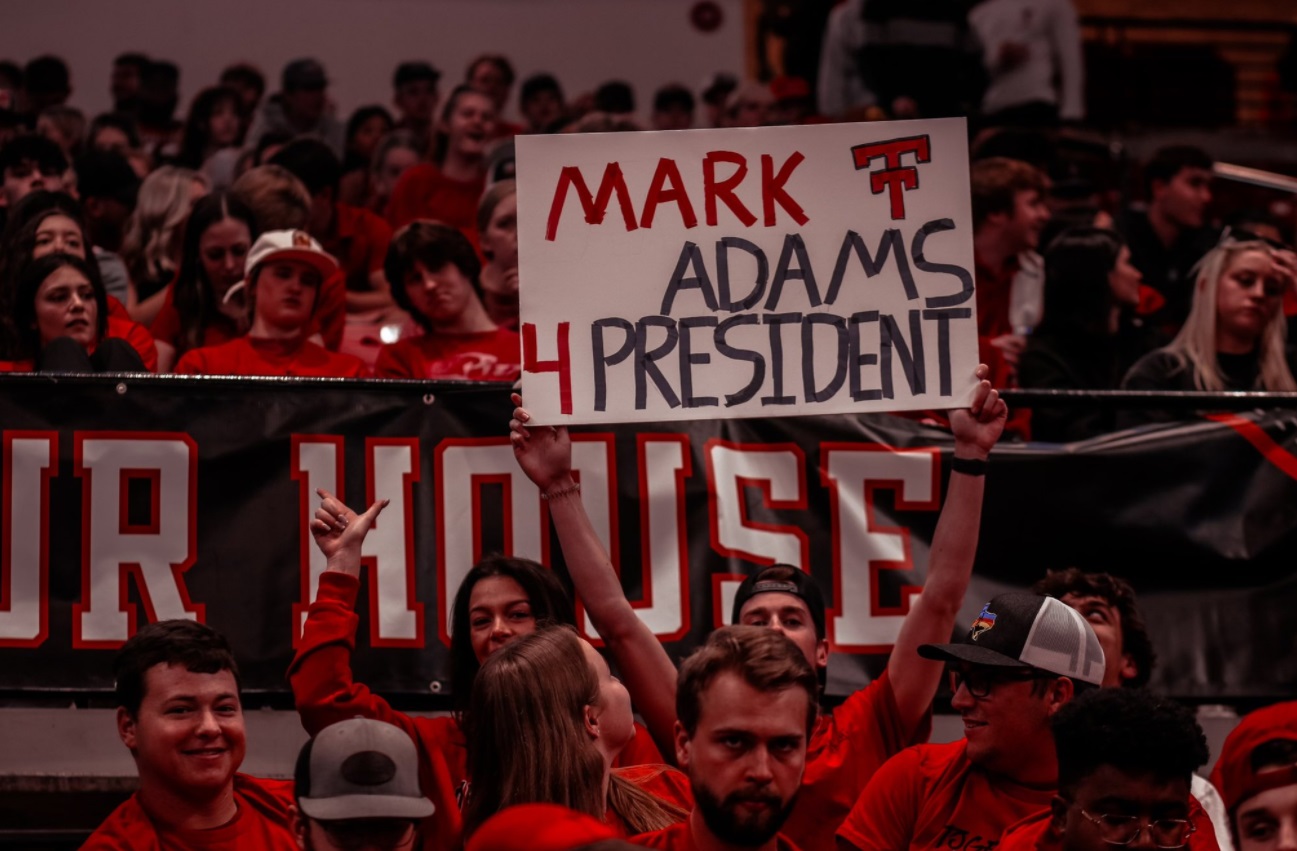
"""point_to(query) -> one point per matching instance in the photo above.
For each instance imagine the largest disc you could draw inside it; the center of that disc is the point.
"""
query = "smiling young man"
(1125, 760)
(434, 275)
(746, 702)
(1009, 212)
(1023, 659)
(179, 714)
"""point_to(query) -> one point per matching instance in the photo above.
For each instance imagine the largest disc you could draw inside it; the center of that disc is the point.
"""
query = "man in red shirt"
(1023, 659)
(179, 713)
(746, 703)
(356, 785)
(286, 270)
(1125, 759)
(851, 742)
(1008, 214)
(356, 238)
(434, 274)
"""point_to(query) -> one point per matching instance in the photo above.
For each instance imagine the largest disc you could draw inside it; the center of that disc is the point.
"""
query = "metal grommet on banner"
(429, 398)
(121, 388)
(435, 686)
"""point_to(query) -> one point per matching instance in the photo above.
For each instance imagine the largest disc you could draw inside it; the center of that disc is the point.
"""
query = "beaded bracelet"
(570, 489)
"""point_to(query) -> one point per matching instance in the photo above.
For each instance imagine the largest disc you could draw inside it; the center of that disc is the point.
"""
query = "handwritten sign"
(746, 273)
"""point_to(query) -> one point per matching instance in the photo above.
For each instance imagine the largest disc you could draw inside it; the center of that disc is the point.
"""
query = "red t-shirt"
(423, 192)
(846, 748)
(262, 823)
(359, 244)
(931, 796)
(330, 316)
(680, 837)
(121, 325)
(1035, 832)
(253, 356)
(489, 356)
(994, 289)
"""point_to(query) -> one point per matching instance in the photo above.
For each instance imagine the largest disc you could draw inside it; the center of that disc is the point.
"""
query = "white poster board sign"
(776, 271)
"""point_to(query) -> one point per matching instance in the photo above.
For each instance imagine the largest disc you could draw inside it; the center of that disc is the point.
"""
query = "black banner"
(125, 501)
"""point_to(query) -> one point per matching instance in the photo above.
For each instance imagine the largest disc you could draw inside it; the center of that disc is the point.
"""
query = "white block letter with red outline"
(778, 470)
(30, 458)
(155, 554)
(862, 547)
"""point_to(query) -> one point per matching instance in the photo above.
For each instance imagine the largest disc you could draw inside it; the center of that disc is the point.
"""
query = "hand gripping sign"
(745, 273)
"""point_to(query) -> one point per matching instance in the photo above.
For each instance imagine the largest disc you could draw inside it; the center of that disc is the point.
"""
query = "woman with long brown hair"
(499, 601)
(61, 313)
(547, 721)
(217, 238)
(47, 223)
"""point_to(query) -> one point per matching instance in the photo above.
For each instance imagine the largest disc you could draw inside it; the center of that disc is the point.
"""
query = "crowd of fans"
(1063, 746)
(262, 235)
(416, 208)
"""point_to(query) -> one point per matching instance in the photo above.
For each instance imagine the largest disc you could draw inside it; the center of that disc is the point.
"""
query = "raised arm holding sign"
(872, 724)
(732, 273)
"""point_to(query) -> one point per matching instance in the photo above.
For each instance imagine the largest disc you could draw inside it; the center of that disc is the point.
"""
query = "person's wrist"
(558, 484)
(969, 466)
(348, 564)
(971, 452)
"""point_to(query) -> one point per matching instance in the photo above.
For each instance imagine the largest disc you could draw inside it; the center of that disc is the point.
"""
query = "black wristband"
(969, 466)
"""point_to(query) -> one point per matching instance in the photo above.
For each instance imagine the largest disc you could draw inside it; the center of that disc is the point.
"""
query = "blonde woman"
(1234, 338)
(151, 247)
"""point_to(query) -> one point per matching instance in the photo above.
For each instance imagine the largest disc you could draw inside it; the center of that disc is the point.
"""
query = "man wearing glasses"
(1125, 759)
(1024, 658)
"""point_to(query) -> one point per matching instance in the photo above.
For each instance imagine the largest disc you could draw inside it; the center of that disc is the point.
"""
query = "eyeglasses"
(1123, 830)
(979, 682)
